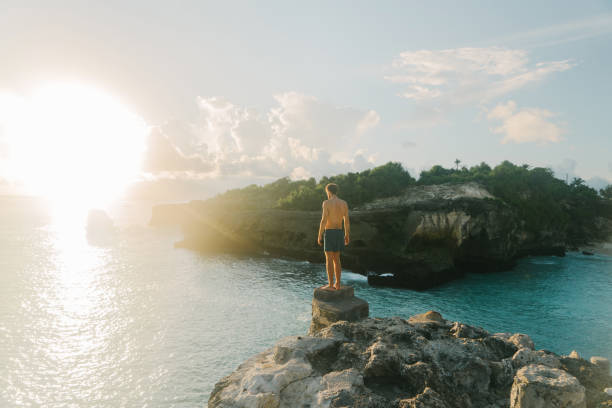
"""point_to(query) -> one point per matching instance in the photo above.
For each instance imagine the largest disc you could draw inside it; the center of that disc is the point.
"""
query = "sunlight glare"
(72, 144)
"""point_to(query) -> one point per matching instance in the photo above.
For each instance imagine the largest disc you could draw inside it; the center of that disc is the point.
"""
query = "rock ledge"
(423, 361)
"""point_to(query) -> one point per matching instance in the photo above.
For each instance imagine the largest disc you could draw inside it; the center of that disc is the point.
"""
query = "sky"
(235, 93)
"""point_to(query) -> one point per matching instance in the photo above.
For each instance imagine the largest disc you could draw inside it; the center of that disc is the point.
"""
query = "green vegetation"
(544, 202)
(606, 192)
(357, 188)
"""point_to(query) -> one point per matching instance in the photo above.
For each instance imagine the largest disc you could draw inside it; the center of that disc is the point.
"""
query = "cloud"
(407, 144)
(300, 136)
(369, 121)
(310, 125)
(163, 156)
(525, 125)
(300, 173)
(230, 130)
(462, 75)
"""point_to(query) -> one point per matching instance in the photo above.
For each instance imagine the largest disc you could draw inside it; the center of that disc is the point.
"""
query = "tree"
(457, 161)
(606, 192)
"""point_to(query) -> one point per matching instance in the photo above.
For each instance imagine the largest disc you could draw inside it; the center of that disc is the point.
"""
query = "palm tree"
(457, 161)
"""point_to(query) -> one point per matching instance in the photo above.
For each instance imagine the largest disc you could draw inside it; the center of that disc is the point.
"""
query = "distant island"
(406, 232)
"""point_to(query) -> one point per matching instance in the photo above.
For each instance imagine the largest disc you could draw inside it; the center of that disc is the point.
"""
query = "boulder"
(526, 356)
(602, 363)
(537, 385)
(592, 377)
(332, 305)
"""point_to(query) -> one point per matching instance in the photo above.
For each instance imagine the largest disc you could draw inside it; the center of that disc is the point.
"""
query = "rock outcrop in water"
(423, 361)
(427, 236)
(330, 306)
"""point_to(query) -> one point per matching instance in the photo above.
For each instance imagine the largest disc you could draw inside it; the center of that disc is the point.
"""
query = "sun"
(72, 143)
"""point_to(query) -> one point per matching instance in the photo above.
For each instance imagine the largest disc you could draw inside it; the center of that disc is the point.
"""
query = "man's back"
(336, 209)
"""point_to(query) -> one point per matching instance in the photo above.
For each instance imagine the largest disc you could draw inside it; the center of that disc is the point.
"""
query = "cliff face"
(426, 236)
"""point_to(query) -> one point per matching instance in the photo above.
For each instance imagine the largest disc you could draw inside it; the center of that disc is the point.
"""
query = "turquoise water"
(135, 322)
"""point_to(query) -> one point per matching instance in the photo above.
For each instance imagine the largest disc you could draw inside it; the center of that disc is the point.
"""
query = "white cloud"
(228, 129)
(369, 121)
(300, 173)
(463, 75)
(524, 125)
(317, 125)
(163, 156)
(300, 136)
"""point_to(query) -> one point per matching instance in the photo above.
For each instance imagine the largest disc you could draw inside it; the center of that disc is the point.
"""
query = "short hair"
(332, 188)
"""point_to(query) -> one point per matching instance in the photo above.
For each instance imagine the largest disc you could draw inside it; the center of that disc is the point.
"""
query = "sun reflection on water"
(77, 303)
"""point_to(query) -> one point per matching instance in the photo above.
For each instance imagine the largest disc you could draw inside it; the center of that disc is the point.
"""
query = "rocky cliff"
(423, 361)
(426, 236)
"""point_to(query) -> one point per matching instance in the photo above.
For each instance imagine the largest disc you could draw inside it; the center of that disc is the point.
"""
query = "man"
(330, 231)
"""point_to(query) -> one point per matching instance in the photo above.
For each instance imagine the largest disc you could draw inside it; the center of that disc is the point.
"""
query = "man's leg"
(337, 268)
(329, 265)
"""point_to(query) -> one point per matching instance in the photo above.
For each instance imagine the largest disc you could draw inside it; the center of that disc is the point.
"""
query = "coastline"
(599, 248)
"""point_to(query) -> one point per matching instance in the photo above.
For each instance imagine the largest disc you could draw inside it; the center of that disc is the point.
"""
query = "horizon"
(203, 98)
(415, 177)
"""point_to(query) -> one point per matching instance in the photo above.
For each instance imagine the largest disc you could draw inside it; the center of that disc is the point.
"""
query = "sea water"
(133, 321)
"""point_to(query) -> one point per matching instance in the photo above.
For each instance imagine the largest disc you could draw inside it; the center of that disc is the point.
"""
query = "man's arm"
(322, 224)
(347, 226)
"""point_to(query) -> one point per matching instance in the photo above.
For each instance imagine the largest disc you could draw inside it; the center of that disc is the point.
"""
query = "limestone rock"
(527, 356)
(463, 330)
(518, 339)
(590, 376)
(428, 317)
(329, 306)
(574, 354)
(427, 399)
(541, 386)
(602, 363)
(423, 361)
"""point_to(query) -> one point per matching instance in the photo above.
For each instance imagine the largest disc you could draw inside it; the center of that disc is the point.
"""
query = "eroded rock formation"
(423, 361)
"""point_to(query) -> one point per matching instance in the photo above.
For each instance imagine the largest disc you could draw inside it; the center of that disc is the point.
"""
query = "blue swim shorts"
(333, 240)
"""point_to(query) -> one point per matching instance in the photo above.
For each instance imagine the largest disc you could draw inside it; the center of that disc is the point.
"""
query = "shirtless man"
(330, 231)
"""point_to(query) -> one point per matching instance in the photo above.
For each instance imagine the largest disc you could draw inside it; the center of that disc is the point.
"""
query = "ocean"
(133, 321)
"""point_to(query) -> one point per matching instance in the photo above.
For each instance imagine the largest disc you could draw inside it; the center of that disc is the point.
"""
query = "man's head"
(331, 189)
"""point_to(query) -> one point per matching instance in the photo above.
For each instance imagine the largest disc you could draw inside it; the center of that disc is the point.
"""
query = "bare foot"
(337, 286)
(328, 286)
